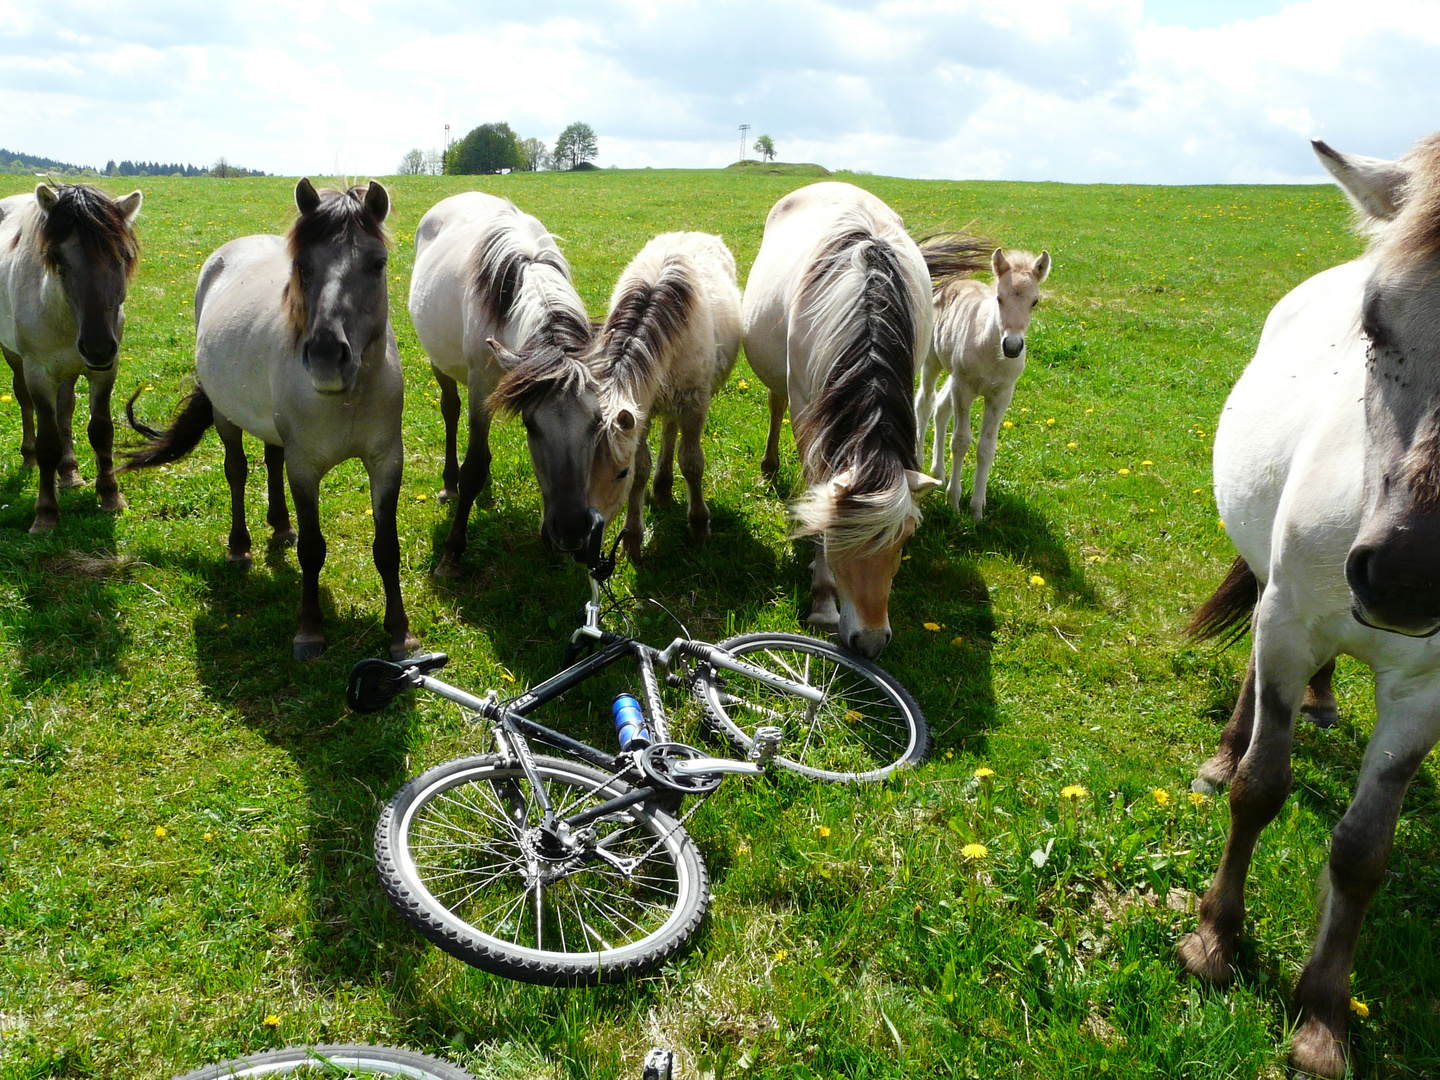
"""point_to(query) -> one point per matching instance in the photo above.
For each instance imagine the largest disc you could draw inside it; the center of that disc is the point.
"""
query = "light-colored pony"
(979, 341)
(836, 319)
(668, 343)
(67, 254)
(1327, 476)
(293, 345)
(485, 270)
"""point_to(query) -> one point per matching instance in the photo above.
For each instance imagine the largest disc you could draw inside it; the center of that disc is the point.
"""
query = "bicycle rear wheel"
(867, 727)
(330, 1062)
(460, 854)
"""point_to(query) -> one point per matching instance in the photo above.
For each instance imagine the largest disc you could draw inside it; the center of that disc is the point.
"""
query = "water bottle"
(629, 723)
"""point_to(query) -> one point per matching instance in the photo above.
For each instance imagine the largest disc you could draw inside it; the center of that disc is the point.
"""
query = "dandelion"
(781, 955)
(421, 497)
(1089, 411)
(1220, 523)
(5, 398)
(1071, 445)
(149, 388)
(1050, 422)
(369, 512)
(957, 640)
(209, 836)
(1198, 491)
(1197, 798)
(853, 716)
(1147, 461)
(1036, 579)
(1073, 791)
(159, 832)
(743, 384)
(984, 772)
(507, 676)
(1094, 558)
(1161, 796)
(1025, 408)
(931, 626)
(1124, 472)
(1008, 424)
(271, 1021)
(823, 831)
(1359, 1008)
(974, 852)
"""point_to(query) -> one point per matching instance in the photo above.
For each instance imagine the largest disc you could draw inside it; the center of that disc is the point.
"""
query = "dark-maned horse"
(293, 344)
(1327, 476)
(836, 319)
(484, 270)
(67, 254)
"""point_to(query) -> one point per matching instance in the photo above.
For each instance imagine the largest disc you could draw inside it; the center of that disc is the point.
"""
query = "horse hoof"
(1317, 1050)
(1322, 716)
(284, 537)
(408, 647)
(663, 494)
(700, 535)
(769, 468)
(43, 525)
(114, 503)
(68, 481)
(1201, 786)
(445, 495)
(447, 569)
(308, 648)
(242, 559)
(1202, 955)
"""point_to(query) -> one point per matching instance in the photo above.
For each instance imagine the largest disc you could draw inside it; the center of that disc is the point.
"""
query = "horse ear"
(307, 199)
(1375, 186)
(625, 420)
(46, 196)
(130, 205)
(1042, 267)
(998, 262)
(503, 356)
(377, 200)
(920, 482)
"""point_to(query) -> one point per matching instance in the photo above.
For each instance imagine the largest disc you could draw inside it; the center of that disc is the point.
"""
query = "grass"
(187, 813)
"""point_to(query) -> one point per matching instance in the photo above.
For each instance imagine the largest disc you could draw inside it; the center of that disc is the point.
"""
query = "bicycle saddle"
(375, 683)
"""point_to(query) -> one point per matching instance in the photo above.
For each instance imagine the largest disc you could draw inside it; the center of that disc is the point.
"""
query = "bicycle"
(573, 872)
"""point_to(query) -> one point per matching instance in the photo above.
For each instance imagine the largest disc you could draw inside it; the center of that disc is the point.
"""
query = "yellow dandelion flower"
(781, 955)
(271, 1021)
(369, 512)
(507, 676)
(984, 772)
(5, 398)
(209, 836)
(1071, 445)
(1008, 424)
(1147, 461)
(1359, 1008)
(974, 852)
(1036, 579)
(1050, 422)
(823, 831)
(1124, 472)
(421, 498)
(931, 626)
(743, 384)
(1198, 491)
(159, 832)
(1025, 408)
(853, 716)
(1161, 796)
(1220, 524)
(1073, 791)
(957, 640)
(1089, 411)
(1197, 798)
(149, 388)
(1094, 558)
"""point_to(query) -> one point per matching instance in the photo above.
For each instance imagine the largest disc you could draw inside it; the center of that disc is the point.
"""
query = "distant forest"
(19, 164)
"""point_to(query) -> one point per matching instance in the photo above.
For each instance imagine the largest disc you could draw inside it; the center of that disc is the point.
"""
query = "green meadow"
(186, 813)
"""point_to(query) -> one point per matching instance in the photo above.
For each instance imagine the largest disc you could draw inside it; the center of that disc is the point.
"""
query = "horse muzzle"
(99, 356)
(329, 365)
(1012, 345)
(1393, 591)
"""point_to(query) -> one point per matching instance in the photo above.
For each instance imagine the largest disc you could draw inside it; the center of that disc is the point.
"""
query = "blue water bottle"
(629, 723)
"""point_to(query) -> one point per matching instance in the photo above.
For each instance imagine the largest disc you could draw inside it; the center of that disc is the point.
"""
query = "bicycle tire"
(867, 727)
(472, 821)
(352, 1057)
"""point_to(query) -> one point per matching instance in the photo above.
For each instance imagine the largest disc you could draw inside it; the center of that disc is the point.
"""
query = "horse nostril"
(1358, 565)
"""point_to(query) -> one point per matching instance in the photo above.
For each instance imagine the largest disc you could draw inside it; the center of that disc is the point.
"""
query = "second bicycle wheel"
(461, 853)
(867, 727)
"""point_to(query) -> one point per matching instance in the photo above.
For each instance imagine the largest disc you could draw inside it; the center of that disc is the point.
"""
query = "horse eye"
(1034, 302)
(623, 473)
(379, 266)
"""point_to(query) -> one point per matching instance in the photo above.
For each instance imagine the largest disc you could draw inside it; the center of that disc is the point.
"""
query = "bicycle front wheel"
(462, 856)
(867, 726)
(330, 1062)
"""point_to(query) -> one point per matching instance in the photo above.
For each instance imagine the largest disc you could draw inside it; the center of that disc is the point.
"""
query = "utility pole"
(744, 132)
(445, 154)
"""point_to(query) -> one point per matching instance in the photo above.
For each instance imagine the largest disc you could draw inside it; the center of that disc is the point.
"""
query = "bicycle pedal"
(766, 744)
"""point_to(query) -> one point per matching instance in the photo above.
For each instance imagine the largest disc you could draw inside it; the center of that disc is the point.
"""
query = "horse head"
(555, 395)
(88, 241)
(1017, 290)
(1392, 568)
(338, 299)
(611, 473)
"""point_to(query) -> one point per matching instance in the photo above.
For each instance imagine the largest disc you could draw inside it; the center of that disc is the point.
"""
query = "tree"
(534, 153)
(434, 162)
(575, 146)
(489, 148)
(765, 147)
(412, 164)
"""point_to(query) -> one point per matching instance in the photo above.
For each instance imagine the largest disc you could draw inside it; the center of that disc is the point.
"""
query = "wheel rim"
(861, 731)
(471, 843)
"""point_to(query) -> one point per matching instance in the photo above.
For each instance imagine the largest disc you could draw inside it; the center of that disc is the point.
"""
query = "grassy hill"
(186, 813)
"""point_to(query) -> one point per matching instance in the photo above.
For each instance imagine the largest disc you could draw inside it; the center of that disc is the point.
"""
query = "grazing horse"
(485, 274)
(836, 318)
(293, 344)
(1327, 476)
(66, 256)
(668, 343)
(980, 341)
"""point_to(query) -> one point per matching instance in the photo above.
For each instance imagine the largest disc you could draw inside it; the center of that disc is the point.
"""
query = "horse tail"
(950, 255)
(162, 447)
(1226, 615)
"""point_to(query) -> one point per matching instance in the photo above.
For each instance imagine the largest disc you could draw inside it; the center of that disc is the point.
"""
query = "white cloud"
(1075, 90)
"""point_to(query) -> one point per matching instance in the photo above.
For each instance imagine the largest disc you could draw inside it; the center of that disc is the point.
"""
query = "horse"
(488, 274)
(1327, 477)
(67, 254)
(836, 317)
(668, 343)
(979, 341)
(293, 344)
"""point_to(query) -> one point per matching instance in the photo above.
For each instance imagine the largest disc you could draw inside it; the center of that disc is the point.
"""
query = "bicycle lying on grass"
(572, 872)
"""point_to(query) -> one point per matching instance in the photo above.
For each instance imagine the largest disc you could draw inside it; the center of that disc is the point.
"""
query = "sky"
(1081, 91)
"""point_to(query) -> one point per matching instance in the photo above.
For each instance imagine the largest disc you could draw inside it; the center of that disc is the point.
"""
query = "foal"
(980, 340)
(668, 343)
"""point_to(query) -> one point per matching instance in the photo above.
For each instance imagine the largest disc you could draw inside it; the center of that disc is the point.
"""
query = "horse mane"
(951, 256)
(341, 213)
(1415, 232)
(93, 217)
(855, 523)
(517, 277)
(545, 368)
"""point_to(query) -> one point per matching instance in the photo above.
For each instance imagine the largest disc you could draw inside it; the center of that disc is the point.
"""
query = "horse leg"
(385, 475)
(985, 453)
(277, 513)
(450, 413)
(49, 447)
(925, 406)
(1319, 703)
(236, 470)
(310, 548)
(824, 612)
(101, 432)
(692, 467)
(1407, 727)
(662, 488)
(67, 471)
(944, 407)
(634, 522)
(474, 475)
(27, 407)
(770, 463)
(1283, 665)
(1234, 741)
(962, 400)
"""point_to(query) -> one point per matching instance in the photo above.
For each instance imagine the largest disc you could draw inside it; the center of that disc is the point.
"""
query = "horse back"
(20, 271)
